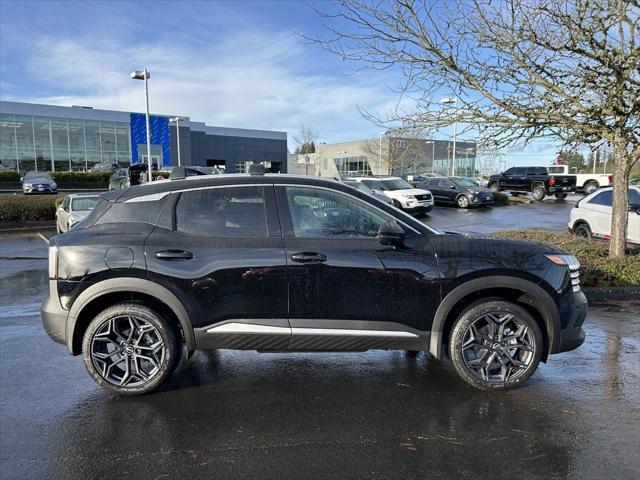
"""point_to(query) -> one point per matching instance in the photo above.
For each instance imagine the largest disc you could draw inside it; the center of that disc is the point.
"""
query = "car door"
(346, 290)
(600, 214)
(63, 214)
(449, 190)
(220, 251)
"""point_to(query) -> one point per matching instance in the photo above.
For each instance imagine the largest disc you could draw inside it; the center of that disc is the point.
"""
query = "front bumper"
(38, 189)
(481, 200)
(54, 317)
(419, 208)
(573, 314)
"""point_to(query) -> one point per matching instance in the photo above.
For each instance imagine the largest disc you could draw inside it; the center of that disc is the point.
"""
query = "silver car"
(74, 208)
(38, 182)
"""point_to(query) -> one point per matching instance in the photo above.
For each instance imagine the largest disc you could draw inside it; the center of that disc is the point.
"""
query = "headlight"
(574, 268)
(407, 196)
(27, 185)
(54, 185)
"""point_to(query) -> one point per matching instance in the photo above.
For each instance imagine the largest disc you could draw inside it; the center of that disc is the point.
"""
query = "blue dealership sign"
(159, 128)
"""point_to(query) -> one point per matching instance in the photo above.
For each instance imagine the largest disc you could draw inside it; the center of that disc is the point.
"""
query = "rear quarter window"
(132, 212)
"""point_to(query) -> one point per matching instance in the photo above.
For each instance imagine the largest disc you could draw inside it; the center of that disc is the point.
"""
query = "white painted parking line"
(45, 239)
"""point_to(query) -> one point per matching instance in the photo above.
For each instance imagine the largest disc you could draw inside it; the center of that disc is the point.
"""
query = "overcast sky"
(232, 64)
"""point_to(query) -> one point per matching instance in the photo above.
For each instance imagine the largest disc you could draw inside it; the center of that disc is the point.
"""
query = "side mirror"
(391, 234)
(452, 187)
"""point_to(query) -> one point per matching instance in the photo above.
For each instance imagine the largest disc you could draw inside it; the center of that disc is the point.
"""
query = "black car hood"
(478, 189)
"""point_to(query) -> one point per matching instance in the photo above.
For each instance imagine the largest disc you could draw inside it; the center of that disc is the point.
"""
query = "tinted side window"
(321, 213)
(602, 199)
(517, 171)
(223, 212)
(634, 197)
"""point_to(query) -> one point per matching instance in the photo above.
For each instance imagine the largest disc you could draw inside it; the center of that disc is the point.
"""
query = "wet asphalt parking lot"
(230, 414)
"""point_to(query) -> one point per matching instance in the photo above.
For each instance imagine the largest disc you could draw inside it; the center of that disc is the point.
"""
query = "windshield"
(464, 182)
(396, 184)
(84, 204)
(31, 175)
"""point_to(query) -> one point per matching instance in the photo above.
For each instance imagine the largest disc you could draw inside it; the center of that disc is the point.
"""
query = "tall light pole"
(177, 120)
(145, 75)
(447, 101)
(382, 134)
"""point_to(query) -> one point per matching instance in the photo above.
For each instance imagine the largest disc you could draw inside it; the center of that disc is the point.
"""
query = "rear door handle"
(174, 255)
(308, 257)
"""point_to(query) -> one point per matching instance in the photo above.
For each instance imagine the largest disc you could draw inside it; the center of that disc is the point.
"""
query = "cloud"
(252, 80)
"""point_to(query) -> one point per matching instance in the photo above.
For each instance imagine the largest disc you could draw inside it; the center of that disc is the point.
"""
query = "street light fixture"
(448, 101)
(145, 75)
(177, 120)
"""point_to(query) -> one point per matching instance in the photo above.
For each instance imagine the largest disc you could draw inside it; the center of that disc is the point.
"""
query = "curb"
(35, 229)
(603, 294)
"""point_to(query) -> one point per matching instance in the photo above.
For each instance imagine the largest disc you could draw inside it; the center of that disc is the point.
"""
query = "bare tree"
(305, 140)
(397, 152)
(489, 161)
(521, 70)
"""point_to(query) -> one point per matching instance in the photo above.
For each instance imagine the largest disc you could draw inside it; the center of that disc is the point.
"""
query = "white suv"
(591, 216)
(401, 193)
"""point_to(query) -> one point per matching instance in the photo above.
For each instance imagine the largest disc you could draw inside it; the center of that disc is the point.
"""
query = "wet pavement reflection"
(377, 414)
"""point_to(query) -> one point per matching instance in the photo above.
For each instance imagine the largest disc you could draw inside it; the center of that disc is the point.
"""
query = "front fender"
(533, 294)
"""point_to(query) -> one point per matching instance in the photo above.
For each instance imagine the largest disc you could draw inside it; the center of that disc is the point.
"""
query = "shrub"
(598, 270)
(81, 177)
(9, 176)
(15, 208)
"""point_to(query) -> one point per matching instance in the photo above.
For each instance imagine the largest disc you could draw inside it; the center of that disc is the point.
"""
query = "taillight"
(552, 181)
(53, 261)
(610, 179)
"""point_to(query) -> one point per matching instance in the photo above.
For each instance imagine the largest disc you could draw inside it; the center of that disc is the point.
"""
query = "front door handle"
(174, 255)
(308, 257)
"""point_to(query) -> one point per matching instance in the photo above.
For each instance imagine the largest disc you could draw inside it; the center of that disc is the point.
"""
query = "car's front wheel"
(130, 349)
(560, 196)
(463, 201)
(495, 345)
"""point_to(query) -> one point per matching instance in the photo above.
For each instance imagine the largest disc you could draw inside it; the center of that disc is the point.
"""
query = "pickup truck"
(535, 180)
(588, 182)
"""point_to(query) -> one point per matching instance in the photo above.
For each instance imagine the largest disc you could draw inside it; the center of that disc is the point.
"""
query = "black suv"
(277, 262)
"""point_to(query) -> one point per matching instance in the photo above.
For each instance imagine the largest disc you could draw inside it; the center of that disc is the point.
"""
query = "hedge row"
(62, 177)
(15, 208)
(598, 270)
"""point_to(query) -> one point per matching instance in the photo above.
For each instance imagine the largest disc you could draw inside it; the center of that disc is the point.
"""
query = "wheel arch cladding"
(115, 290)
(523, 292)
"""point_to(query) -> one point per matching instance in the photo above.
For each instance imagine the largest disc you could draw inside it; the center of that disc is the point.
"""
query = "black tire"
(538, 193)
(148, 326)
(397, 204)
(583, 230)
(521, 359)
(463, 201)
(590, 187)
(495, 187)
(560, 196)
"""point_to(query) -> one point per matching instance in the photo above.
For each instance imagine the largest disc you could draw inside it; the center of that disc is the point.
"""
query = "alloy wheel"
(127, 351)
(498, 347)
(463, 201)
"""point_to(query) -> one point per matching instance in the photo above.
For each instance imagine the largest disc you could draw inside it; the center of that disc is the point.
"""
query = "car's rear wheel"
(130, 349)
(583, 231)
(560, 196)
(463, 201)
(538, 193)
(495, 345)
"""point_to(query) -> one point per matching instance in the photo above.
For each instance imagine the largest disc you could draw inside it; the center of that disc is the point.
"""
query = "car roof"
(227, 179)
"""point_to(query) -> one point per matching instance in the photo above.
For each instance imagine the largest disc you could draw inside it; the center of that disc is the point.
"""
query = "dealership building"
(57, 138)
(387, 155)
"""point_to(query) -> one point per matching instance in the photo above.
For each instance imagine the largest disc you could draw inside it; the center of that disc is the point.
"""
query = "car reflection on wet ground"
(378, 414)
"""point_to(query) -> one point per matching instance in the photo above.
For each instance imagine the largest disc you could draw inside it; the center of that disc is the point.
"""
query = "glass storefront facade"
(60, 144)
(357, 166)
